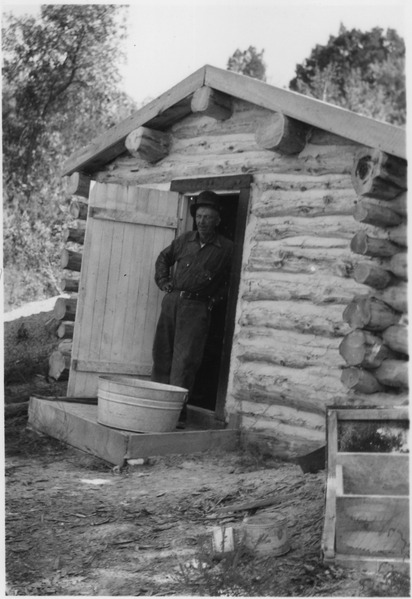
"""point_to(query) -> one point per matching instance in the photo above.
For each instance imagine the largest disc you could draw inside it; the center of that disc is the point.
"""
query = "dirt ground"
(77, 526)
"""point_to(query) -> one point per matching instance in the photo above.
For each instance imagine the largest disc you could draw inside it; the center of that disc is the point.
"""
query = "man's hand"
(167, 287)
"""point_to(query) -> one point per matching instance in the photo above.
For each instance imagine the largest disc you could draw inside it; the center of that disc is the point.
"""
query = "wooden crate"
(367, 499)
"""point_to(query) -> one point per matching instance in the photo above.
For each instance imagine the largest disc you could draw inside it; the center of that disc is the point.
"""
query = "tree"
(249, 63)
(60, 89)
(360, 71)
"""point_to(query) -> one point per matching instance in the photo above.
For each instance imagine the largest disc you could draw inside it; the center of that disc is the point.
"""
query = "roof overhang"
(174, 105)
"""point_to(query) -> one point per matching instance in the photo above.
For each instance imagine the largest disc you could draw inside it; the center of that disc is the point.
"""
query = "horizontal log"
(74, 234)
(376, 215)
(396, 337)
(278, 256)
(306, 202)
(362, 348)
(302, 317)
(370, 313)
(70, 285)
(65, 309)
(212, 103)
(200, 161)
(71, 260)
(377, 174)
(398, 265)
(358, 379)
(65, 330)
(310, 389)
(284, 286)
(369, 273)
(78, 184)
(279, 133)
(365, 245)
(148, 144)
(79, 210)
(393, 373)
(260, 344)
(395, 296)
(322, 226)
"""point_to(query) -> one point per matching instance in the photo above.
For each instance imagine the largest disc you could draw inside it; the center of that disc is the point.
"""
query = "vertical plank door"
(119, 302)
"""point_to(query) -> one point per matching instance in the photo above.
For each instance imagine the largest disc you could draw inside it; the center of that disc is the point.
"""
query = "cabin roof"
(174, 105)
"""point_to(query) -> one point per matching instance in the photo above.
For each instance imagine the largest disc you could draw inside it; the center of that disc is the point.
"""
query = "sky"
(170, 39)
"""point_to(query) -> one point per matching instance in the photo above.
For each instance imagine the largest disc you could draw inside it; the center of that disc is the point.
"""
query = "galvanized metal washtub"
(137, 405)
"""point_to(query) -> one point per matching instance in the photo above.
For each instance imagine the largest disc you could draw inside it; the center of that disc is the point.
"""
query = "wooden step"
(76, 425)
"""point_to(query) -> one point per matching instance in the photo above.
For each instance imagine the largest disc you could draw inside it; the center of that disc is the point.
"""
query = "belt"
(193, 296)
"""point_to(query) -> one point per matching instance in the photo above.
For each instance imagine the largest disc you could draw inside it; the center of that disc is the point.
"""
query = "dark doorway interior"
(207, 379)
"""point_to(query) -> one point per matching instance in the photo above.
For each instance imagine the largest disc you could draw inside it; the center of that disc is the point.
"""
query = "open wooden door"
(119, 302)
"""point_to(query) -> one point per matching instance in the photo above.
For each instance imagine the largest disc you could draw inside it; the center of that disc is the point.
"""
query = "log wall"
(297, 273)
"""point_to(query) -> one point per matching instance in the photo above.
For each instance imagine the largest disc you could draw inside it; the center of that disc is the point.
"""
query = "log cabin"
(314, 198)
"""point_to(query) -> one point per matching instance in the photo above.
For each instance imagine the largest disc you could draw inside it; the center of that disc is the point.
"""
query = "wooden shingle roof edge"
(174, 104)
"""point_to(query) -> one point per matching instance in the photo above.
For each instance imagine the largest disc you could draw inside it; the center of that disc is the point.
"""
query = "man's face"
(207, 219)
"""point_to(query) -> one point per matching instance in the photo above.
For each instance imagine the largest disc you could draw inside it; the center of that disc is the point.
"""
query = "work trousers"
(179, 341)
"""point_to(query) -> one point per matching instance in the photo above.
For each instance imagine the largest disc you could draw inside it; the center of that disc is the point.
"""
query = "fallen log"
(362, 348)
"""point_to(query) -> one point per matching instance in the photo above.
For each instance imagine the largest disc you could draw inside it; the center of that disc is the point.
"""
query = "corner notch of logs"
(376, 350)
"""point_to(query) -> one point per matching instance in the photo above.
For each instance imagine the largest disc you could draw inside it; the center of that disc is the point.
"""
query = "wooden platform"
(76, 425)
(367, 500)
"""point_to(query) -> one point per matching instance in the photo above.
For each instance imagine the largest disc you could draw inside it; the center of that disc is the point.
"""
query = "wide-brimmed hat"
(208, 199)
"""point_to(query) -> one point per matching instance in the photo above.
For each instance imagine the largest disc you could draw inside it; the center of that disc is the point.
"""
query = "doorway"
(205, 389)
(212, 378)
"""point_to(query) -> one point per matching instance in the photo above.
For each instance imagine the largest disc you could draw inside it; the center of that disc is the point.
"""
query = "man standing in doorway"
(199, 280)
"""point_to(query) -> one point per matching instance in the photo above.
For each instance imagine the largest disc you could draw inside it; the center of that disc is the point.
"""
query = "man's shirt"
(203, 270)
